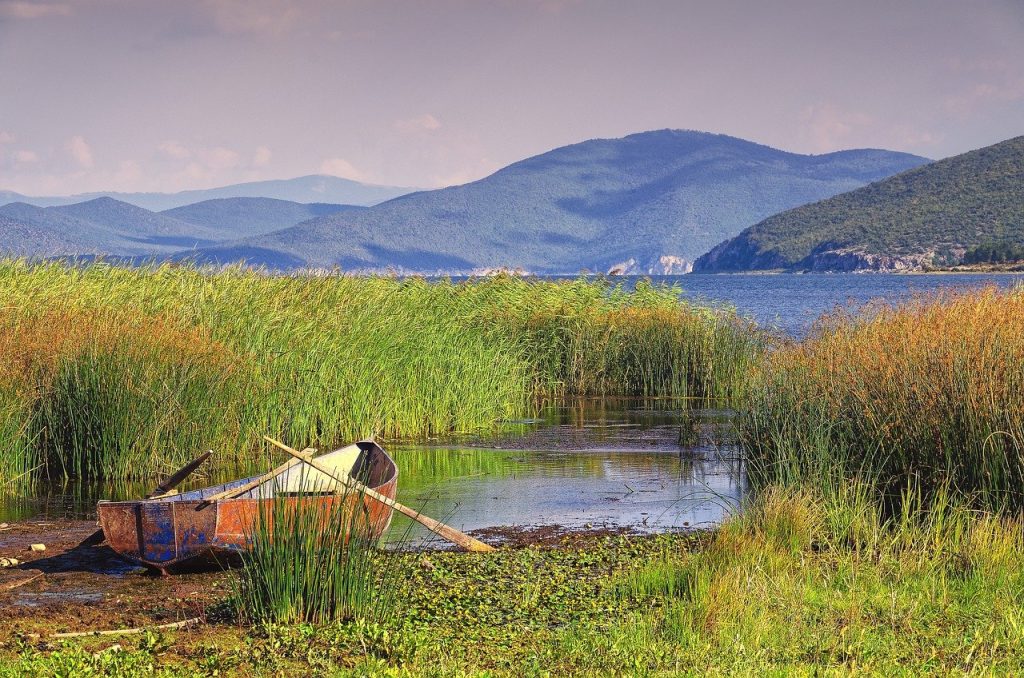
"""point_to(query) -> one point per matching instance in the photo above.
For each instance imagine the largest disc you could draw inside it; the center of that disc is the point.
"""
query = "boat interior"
(356, 461)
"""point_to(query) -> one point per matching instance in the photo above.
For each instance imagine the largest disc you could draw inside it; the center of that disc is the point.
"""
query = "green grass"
(120, 373)
(312, 560)
(798, 584)
(884, 535)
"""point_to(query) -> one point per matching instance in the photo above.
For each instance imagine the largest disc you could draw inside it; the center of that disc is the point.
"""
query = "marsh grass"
(930, 392)
(115, 372)
(313, 559)
(800, 582)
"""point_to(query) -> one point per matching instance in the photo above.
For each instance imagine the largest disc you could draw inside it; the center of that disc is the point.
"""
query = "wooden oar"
(253, 484)
(161, 490)
(175, 480)
(435, 526)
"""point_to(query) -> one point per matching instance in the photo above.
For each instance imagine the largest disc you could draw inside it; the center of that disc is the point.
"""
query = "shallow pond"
(598, 464)
(593, 464)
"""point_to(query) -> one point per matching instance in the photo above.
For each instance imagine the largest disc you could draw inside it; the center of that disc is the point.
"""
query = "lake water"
(596, 464)
(606, 463)
(791, 302)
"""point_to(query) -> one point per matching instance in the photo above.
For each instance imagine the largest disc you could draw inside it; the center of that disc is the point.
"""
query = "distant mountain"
(109, 227)
(140, 225)
(232, 218)
(30, 231)
(103, 226)
(317, 188)
(649, 202)
(932, 215)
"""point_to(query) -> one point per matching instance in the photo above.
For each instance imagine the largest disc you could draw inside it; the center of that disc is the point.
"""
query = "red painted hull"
(171, 534)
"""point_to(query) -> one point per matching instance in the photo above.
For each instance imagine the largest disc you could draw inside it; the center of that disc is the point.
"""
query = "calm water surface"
(598, 463)
(791, 302)
(610, 464)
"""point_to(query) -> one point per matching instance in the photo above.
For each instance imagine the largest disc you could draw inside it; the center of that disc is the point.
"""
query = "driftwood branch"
(123, 632)
(15, 584)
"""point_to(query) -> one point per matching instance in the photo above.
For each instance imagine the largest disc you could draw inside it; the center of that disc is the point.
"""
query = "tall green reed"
(314, 558)
(150, 365)
(930, 393)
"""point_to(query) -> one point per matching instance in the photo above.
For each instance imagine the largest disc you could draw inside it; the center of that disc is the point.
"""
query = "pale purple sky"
(162, 96)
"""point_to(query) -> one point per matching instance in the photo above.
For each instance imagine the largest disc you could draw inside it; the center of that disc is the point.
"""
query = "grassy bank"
(120, 373)
(885, 536)
(799, 584)
(929, 394)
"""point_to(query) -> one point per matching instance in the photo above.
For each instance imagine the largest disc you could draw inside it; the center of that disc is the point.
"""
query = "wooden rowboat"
(173, 532)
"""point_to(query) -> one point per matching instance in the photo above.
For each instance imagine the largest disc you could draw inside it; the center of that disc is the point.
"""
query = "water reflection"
(651, 465)
(603, 463)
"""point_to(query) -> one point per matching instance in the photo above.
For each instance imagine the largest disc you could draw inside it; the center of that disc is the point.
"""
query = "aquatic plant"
(314, 560)
(802, 583)
(930, 394)
(121, 372)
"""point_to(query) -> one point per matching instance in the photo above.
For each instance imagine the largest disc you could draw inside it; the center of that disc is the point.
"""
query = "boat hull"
(171, 535)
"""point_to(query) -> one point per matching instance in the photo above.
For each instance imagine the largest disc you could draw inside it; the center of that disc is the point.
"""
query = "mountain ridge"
(312, 188)
(926, 217)
(105, 226)
(650, 202)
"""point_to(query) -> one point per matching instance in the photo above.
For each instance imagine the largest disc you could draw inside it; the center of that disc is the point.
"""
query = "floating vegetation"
(801, 583)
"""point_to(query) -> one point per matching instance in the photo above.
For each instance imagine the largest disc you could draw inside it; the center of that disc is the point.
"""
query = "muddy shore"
(72, 587)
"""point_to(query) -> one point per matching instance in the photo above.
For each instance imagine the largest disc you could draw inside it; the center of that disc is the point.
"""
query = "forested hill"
(646, 203)
(967, 207)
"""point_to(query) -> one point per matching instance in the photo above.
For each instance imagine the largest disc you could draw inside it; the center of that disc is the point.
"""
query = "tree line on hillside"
(995, 253)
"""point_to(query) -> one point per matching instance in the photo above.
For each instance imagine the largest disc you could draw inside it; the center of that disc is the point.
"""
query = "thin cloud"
(240, 17)
(984, 94)
(830, 128)
(23, 9)
(81, 152)
(220, 158)
(422, 123)
(339, 167)
(175, 150)
(262, 157)
(26, 157)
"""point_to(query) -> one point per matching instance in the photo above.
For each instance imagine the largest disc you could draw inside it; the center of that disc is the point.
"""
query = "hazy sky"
(139, 95)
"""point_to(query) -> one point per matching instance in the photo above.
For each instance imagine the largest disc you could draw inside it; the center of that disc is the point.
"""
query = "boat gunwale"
(239, 482)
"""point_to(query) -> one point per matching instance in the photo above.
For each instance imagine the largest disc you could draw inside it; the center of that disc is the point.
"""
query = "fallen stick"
(122, 632)
(15, 584)
(435, 526)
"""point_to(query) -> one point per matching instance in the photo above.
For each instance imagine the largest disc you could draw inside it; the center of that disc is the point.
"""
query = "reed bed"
(120, 373)
(314, 561)
(930, 393)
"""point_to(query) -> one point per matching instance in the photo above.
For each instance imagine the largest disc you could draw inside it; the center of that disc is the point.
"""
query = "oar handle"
(182, 473)
(437, 527)
(161, 490)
